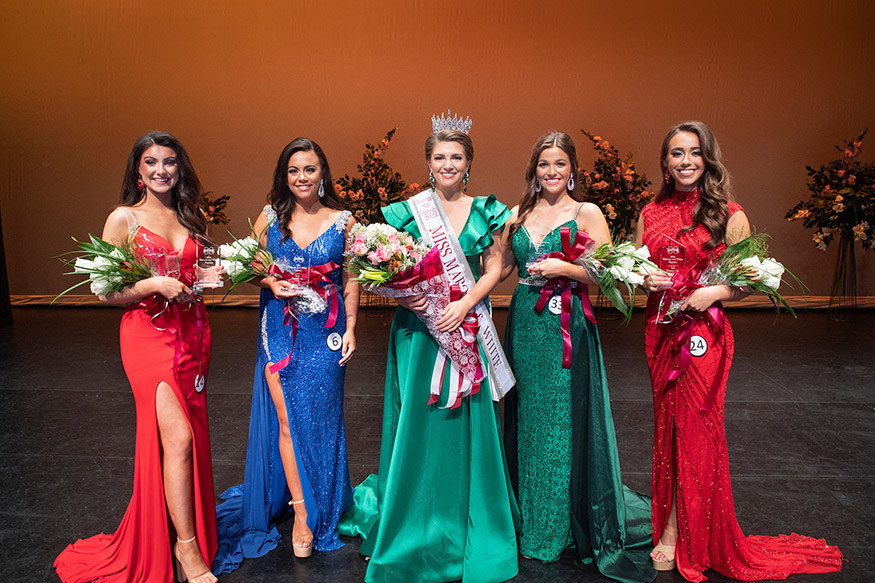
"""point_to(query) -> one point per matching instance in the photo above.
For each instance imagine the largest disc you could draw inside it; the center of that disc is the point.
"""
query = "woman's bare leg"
(302, 537)
(176, 442)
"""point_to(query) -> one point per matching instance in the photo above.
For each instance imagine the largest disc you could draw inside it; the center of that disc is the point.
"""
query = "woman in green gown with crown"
(559, 432)
(441, 507)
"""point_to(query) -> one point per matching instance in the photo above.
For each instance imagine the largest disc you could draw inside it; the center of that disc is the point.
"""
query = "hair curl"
(715, 189)
(559, 140)
(186, 194)
(280, 196)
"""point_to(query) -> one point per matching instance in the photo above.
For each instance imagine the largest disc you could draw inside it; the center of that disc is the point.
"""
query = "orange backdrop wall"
(779, 82)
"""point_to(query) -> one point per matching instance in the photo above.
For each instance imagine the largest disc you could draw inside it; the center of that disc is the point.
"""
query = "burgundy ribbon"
(570, 252)
(311, 277)
(684, 282)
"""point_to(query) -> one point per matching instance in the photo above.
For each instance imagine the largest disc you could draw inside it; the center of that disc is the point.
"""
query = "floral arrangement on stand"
(616, 187)
(842, 203)
(214, 210)
(842, 198)
(378, 185)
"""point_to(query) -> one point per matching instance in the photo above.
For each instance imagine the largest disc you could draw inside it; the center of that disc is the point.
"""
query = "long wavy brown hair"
(715, 189)
(186, 195)
(559, 140)
(280, 196)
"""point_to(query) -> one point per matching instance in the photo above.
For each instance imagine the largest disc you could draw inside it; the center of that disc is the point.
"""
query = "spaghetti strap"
(133, 224)
(577, 212)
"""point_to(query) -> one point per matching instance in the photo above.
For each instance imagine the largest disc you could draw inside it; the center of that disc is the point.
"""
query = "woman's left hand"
(453, 316)
(347, 347)
(550, 267)
(701, 299)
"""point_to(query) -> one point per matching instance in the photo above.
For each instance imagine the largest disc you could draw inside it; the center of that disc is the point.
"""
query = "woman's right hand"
(417, 304)
(281, 288)
(656, 281)
(172, 289)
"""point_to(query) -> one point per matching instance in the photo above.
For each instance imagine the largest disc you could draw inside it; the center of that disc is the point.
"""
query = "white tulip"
(83, 265)
(642, 252)
(772, 271)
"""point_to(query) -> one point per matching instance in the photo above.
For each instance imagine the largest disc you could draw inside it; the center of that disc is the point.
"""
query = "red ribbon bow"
(684, 282)
(569, 253)
(311, 277)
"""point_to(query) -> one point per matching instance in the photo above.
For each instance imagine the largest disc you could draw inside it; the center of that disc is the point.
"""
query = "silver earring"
(321, 189)
(465, 180)
(431, 179)
(537, 186)
(571, 183)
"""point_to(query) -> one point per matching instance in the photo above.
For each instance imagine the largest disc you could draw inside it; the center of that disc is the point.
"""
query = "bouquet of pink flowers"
(392, 264)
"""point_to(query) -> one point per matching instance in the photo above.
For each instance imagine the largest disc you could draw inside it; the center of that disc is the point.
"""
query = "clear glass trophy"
(671, 257)
(207, 268)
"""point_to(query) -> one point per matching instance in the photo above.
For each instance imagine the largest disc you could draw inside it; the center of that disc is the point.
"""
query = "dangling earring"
(321, 189)
(465, 180)
(140, 184)
(431, 179)
(537, 185)
(667, 176)
(570, 185)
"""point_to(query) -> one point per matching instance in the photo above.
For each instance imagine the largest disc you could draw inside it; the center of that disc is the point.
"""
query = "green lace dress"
(441, 507)
(560, 438)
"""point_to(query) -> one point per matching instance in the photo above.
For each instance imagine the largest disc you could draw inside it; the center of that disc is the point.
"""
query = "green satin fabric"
(561, 441)
(441, 507)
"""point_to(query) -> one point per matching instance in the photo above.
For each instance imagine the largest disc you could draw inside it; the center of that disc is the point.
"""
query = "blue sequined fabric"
(313, 391)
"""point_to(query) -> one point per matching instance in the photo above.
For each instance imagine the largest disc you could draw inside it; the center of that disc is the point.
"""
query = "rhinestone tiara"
(450, 123)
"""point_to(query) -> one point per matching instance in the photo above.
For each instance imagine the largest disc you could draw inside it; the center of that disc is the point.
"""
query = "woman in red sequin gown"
(165, 348)
(693, 515)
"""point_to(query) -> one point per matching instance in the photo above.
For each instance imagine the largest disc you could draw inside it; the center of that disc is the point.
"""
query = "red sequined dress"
(690, 435)
(167, 342)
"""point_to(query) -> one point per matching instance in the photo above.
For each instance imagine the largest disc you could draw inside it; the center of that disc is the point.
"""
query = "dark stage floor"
(800, 419)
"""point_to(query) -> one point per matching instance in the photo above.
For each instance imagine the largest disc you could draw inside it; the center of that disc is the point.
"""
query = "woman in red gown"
(694, 525)
(165, 348)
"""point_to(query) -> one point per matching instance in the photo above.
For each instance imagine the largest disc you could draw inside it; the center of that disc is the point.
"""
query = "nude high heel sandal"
(302, 548)
(205, 577)
(669, 552)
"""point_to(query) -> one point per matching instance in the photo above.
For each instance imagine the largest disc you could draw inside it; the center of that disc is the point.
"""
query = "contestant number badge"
(555, 305)
(199, 383)
(698, 345)
(334, 341)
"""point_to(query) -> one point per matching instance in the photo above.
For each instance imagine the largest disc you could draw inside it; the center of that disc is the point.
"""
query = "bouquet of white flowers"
(606, 265)
(244, 260)
(109, 268)
(745, 264)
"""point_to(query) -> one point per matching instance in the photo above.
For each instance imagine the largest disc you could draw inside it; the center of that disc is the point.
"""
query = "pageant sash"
(435, 228)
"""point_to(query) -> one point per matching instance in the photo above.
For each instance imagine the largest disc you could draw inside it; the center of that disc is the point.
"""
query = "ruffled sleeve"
(398, 215)
(488, 214)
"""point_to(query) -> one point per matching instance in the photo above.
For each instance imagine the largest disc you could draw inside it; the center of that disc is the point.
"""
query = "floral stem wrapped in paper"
(745, 264)
(109, 268)
(392, 264)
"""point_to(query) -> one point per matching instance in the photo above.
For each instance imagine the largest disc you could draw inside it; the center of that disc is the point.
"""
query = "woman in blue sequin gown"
(296, 455)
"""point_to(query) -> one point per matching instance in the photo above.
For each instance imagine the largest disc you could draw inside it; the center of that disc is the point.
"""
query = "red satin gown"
(169, 343)
(690, 443)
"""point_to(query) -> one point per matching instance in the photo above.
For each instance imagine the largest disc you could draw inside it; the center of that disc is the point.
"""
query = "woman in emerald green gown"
(559, 432)
(441, 507)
